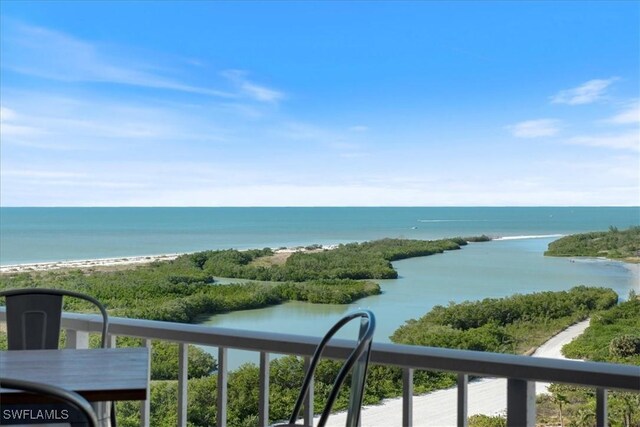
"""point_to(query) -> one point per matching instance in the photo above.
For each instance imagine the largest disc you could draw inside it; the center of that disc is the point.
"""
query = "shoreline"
(632, 265)
(86, 263)
(131, 260)
(125, 261)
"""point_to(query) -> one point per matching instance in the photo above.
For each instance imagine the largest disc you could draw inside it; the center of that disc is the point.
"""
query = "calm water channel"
(479, 270)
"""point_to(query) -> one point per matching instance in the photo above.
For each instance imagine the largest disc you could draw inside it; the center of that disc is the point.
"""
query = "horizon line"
(311, 207)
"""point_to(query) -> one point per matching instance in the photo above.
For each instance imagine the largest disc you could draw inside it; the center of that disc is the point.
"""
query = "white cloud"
(564, 181)
(359, 128)
(357, 155)
(40, 174)
(7, 114)
(628, 116)
(12, 125)
(535, 128)
(304, 132)
(261, 93)
(57, 56)
(90, 123)
(624, 141)
(587, 93)
(252, 90)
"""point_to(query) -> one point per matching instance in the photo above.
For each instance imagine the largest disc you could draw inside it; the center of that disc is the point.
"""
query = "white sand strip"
(85, 264)
(122, 261)
(486, 396)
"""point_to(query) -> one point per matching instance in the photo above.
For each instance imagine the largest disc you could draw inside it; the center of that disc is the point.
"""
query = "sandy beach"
(86, 264)
(106, 263)
(486, 396)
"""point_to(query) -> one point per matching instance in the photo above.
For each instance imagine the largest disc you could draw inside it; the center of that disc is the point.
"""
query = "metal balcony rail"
(521, 372)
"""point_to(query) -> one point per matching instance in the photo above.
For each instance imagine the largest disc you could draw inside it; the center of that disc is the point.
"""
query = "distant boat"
(414, 228)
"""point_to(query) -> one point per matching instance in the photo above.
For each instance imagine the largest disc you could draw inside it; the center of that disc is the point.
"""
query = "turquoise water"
(55, 234)
(479, 270)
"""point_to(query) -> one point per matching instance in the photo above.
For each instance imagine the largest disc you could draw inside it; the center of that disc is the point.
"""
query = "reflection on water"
(479, 270)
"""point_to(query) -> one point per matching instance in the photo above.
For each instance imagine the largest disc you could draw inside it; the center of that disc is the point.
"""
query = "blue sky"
(319, 103)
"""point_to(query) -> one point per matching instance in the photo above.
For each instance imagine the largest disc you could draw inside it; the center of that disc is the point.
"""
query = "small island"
(185, 288)
(623, 245)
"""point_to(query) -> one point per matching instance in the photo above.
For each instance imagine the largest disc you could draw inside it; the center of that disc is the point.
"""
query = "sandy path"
(552, 347)
(487, 396)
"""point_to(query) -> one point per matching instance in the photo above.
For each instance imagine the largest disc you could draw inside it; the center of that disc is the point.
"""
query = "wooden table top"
(105, 374)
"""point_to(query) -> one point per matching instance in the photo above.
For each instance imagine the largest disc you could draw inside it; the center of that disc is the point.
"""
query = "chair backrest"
(357, 362)
(56, 393)
(34, 314)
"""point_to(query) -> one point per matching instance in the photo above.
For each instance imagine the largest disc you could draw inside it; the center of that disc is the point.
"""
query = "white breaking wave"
(453, 220)
(539, 236)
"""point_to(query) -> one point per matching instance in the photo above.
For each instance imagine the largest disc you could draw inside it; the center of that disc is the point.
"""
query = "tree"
(624, 409)
(624, 345)
(164, 364)
(584, 417)
(559, 397)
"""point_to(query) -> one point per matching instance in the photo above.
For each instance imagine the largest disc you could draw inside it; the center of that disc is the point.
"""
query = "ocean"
(30, 235)
(513, 263)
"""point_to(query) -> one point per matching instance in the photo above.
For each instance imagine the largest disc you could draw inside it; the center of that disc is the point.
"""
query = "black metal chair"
(58, 394)
(34, 316)
(357, 362)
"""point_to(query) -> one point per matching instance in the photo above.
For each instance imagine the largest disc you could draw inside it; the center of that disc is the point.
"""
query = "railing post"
(183, 380)
(221, 416)
(111, 341)
(263, 404)
(601, 407)
(145, 410)
(463, 381)
(308, 400)
(521, 403)
(407, 397)
(77, 339)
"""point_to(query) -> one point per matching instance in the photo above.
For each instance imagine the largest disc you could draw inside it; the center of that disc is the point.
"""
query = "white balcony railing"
(521, 372)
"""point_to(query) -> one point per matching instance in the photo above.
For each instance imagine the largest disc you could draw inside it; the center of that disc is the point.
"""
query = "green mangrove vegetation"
(613, 336)
(535, 318)
(356, 261)
(184, 289)
(505, 325)
(614, 244)
(487, 421)
(156, 292)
